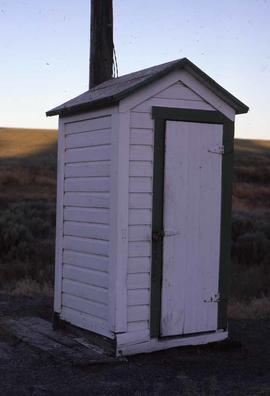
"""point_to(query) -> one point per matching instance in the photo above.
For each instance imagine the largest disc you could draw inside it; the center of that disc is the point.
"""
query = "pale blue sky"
(45, 51)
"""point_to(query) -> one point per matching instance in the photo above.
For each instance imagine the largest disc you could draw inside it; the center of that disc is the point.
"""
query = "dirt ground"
(205, 370)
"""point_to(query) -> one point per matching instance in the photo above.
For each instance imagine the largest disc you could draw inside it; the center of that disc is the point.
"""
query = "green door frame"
(160, 116)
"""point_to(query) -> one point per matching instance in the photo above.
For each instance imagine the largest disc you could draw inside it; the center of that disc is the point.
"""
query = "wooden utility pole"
(101, 42)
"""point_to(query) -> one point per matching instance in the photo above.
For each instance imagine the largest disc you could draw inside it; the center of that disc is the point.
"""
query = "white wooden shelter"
(143, 208)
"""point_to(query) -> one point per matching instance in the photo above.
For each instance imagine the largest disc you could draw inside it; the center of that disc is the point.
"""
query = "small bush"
(251, 248)
(30, 287)
(27, 242)
(256, 308)
(250, 255)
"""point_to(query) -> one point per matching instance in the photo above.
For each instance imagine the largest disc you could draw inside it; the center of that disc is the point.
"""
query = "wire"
(115, 64)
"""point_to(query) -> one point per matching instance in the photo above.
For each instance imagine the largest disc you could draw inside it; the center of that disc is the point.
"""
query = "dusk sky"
(45, 51)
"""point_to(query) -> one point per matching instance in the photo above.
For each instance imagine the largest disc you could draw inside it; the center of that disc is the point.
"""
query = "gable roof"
(113, 90)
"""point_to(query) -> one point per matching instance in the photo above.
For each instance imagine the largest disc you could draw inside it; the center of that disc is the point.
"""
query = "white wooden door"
(192, 213)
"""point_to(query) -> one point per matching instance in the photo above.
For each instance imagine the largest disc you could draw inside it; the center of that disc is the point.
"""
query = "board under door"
(192, 214)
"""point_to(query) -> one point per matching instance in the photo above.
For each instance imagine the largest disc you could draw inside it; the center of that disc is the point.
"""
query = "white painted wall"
(140, 198)
(84, 233)
(104, 215)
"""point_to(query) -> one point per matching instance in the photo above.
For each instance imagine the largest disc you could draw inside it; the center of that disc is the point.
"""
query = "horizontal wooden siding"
(86, 227)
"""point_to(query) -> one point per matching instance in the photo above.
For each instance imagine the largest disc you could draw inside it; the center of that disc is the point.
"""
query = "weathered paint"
(108, 181)
(84, 225)
(208, 117)
(192, 206)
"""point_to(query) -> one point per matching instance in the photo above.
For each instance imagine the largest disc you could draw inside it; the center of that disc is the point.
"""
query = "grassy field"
(28, 159)
(27, 218)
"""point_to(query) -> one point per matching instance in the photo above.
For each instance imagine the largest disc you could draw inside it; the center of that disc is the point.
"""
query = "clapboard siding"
(177, 95)
(140, 196)
(139, 120)
(140, 216)
(140, 200)
(139, 233)
(139, 297)
(84, 305)
(140, 184)
(139, 249)
(86, 245)
(87, 154)
(138, 281)
(86, 228)
(178, 91)
(87, 184)
(138, 313)
(87, 200)
(138, 265)
(141, 153)
(141, 168)
(88, 215)
(141, 136)
(92, 124)
(98, 168)
(98, 294)
(86, 260)
(86, 321)
(86, 139)
(85, 276)
(179, 104)
(138, 326)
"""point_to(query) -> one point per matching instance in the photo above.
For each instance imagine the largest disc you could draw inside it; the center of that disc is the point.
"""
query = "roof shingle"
(113, 90)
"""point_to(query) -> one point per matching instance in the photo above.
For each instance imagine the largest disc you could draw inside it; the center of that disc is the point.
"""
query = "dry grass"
(18, 183)
(24, 176)
(252, 146)
(30, 287)
(257, 308)
(27, 164)
(252, 194)
(28, 180)
(21, 143)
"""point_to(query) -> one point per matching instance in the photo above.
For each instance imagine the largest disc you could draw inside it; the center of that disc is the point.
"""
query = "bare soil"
(219, 369)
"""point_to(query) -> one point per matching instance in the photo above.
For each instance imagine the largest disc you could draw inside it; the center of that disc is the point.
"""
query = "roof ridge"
(112, 91)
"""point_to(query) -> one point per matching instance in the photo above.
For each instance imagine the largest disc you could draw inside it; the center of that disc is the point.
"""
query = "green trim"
(201, 116)
(161, 115)
(157, 227)
(225, 227)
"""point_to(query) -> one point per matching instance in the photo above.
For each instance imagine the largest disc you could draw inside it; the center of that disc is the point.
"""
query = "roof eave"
(212, 85)
(97, 104)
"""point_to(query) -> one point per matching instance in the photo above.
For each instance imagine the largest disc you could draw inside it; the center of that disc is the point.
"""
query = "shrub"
(251, 248)
(27, 242)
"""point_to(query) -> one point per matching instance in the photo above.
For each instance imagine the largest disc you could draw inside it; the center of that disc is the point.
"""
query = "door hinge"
(213, 299)
(170, 233)
(157, 235)
(217, 150)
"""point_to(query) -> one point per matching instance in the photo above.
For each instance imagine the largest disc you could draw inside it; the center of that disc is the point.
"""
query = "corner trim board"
(59, 219)
(225, 226)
